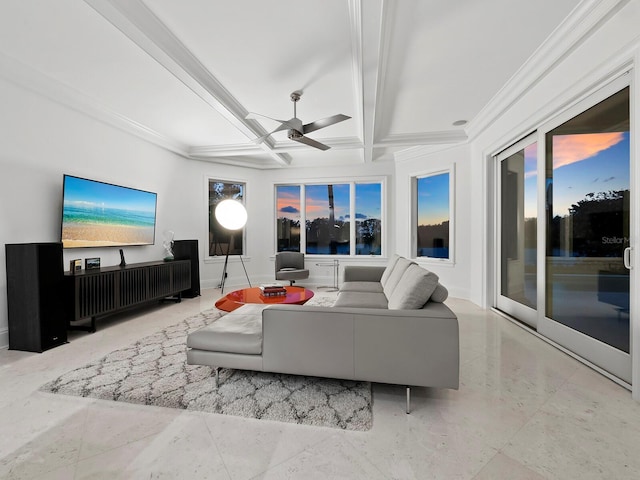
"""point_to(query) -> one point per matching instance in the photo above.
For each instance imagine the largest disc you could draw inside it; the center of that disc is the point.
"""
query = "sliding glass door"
(580, 218)
(517, 284)
(587, 296)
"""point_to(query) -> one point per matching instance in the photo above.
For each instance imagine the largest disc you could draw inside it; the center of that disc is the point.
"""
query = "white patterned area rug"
(154, 371)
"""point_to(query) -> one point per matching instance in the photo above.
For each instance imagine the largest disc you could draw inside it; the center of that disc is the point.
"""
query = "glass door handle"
(627, 258)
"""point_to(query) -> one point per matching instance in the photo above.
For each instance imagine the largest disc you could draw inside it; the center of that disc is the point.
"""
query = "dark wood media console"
(95, 293)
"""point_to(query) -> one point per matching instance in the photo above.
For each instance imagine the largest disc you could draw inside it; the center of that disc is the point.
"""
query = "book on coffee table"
(272, 289)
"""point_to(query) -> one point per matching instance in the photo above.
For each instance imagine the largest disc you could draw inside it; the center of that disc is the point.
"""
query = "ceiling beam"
(139, 24)
(420, 139)
(372, 13)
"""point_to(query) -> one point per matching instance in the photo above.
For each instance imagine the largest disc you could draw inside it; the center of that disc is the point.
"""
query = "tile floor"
(524, 411)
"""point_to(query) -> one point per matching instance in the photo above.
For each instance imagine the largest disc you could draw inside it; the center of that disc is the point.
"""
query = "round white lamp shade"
(231, 214)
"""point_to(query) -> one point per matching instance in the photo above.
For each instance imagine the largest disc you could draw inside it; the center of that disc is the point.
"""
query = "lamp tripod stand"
(224, 270)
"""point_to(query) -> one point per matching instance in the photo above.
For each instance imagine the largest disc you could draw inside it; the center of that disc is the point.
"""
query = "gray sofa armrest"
(303, 340)
(359, 273)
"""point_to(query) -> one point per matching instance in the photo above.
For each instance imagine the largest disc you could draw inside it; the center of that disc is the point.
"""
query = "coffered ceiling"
(184, 74)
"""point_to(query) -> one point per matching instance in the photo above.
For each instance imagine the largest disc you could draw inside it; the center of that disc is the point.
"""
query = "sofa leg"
(408, 400)
(217, 377)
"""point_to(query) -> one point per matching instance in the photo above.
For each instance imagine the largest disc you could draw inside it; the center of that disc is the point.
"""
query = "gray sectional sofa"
(388, 325)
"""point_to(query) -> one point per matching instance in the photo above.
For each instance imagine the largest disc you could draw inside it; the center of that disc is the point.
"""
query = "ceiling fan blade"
(311, 143)
(325, 122)
(257, 116)
(283, 126)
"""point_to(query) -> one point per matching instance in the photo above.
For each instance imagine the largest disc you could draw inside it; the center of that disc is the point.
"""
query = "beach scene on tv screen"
(98, 214)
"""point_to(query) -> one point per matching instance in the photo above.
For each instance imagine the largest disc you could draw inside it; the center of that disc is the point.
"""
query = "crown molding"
(420, 139)
(572, 32)
(37, 82)
(422, 151)
(258, 163)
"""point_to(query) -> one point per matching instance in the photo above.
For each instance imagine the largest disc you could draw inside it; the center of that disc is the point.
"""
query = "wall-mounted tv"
(98, 214)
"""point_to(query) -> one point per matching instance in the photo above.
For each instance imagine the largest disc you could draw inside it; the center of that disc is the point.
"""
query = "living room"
(50, 129)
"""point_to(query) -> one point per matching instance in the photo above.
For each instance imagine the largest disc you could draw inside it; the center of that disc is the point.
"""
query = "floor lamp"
(232, 215)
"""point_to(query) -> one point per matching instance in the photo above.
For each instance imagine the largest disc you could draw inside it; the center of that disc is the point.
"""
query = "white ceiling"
(185, 74)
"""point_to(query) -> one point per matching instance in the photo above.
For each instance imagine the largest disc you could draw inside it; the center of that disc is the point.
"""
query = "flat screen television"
(98, 214)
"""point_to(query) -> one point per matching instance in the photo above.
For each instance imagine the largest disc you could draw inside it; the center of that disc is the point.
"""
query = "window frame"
(451, 171)
(352, 228)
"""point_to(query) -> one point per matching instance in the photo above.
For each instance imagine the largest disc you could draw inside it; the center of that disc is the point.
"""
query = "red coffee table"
(233, 300)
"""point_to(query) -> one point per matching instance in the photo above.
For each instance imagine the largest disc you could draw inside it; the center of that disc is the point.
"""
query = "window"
(326, 210)
(433, 226)
(368, 218)
(288, 215)
(588, 179)
(222, 240)
(518, 203)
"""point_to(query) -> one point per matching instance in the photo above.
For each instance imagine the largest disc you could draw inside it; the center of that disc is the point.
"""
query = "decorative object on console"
(75, 265)
(92, 263)
(232, 215)
(168, 245)
(122, 262)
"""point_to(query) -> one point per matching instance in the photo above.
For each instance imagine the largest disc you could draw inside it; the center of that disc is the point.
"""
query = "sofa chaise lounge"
(388, 325)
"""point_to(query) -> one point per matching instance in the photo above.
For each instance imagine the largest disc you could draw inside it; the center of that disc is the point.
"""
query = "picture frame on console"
(92, 263)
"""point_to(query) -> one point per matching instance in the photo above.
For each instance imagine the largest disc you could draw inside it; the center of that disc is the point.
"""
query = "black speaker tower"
(35, 296)
(188, 250)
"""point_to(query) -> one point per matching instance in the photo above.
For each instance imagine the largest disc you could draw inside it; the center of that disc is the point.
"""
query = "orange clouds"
(568, 149)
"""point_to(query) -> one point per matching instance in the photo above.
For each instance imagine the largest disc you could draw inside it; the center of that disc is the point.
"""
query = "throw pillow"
(414, 289)
(398, 271)
(440, 294)
(387, 271)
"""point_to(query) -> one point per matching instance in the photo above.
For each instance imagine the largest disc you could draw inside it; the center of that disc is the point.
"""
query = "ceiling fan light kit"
(296, 131)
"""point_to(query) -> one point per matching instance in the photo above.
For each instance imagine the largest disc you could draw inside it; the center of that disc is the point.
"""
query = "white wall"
(40, 141)
(455, 275)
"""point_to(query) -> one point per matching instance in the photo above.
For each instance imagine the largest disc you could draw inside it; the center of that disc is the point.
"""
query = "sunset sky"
(368, 201)
(588, 163)
(433, 199)
(582, 164)
(288, 198)
(317, 201)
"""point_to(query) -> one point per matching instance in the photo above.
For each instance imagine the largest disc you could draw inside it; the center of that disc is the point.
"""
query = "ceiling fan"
(296, 130)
